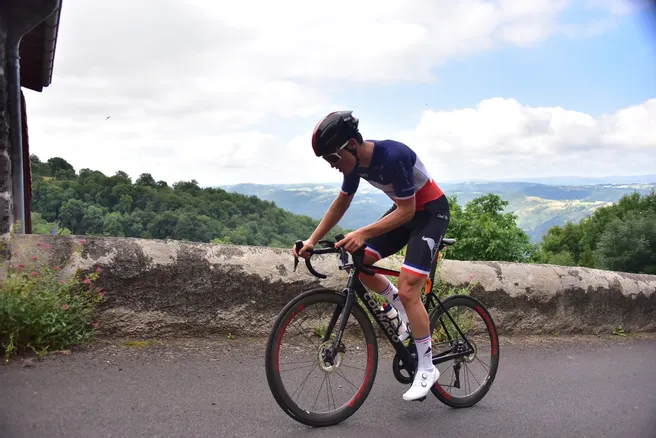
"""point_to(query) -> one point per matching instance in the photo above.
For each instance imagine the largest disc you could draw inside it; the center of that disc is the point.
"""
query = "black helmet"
(333, 131)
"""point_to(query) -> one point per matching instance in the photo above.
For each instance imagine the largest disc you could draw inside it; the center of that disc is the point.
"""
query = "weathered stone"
(4, 96)
(158, 288)
(5, 172)
(5, 212)
(536, 299)
(5, 169)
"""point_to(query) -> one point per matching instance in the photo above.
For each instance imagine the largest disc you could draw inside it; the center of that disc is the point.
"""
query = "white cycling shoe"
(422, 384)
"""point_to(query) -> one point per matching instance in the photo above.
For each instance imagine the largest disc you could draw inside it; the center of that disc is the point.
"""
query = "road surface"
(546, 387)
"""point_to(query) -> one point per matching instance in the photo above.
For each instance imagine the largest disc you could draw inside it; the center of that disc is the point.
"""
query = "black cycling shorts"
(423, 235)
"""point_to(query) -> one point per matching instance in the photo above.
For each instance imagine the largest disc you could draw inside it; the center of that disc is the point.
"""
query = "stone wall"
(159, 288)
(6, 202)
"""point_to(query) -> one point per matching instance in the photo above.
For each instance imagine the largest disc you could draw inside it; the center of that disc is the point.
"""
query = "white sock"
(391, 294)
(424, 354)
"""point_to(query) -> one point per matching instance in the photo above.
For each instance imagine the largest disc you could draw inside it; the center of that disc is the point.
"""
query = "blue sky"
(494, 89)
(596, 75)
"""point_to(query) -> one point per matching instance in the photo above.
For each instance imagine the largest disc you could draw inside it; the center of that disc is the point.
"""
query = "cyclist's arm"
(332, 217)
(403, 213)
(337, 208)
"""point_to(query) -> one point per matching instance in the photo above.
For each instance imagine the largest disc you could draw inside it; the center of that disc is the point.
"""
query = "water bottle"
(400, 326)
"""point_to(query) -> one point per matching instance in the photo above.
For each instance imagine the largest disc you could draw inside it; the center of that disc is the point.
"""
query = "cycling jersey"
(397, 171)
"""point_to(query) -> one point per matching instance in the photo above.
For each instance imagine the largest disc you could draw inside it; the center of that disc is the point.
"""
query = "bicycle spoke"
(304, 380)
(319, 392)
(472, 374)
(483, 363)
(347, 380)
(352, 367)
(299, 367)
(329, 393)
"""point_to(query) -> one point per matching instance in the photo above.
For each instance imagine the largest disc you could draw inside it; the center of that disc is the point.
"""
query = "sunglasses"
(334, 157)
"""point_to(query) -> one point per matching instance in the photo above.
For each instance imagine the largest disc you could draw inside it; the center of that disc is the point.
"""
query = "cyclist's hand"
(352, 242)
(307, 245)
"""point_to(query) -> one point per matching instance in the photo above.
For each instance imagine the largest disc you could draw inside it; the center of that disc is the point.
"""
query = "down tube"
(384, 323)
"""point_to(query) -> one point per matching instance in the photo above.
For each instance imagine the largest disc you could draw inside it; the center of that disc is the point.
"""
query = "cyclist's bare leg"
(427, 373)
(382, 286)
(372, 282)
(376, 282)
(410, 293)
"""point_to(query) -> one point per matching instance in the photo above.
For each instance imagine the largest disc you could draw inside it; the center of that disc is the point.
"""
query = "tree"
(146, 179)
(629, 244)
(619, 237)
(61, 168)
(484, 232)
(92, 202)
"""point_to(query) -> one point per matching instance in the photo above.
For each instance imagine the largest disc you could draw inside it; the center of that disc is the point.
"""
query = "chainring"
(399, 368)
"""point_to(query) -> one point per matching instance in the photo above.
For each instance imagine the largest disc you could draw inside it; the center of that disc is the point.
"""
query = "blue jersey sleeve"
(350, 184)
(402, 161)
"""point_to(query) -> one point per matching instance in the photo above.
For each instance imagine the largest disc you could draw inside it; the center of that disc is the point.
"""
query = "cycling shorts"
(423, 235)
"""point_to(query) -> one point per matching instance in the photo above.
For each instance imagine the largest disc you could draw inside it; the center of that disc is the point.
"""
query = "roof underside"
(37, 53)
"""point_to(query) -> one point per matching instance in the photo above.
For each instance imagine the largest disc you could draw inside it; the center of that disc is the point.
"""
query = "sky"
(228, 93)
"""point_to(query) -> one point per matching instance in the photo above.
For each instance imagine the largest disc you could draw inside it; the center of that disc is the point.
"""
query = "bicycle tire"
(478, 307)
(271, 360)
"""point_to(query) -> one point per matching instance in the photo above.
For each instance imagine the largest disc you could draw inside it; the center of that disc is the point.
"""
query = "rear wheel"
(464, 381)
(300, 341)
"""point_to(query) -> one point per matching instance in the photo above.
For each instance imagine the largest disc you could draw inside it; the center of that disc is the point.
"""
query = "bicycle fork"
(353, 290)
(345, 311)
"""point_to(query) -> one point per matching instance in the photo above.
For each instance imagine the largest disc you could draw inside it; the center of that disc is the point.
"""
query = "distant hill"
(587, 180)
(538, 206)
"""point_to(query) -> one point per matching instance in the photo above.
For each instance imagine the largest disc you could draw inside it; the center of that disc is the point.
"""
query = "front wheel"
(465, 380)
(340, 381)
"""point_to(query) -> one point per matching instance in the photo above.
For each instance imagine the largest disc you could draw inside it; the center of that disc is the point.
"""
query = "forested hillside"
(619, 237)
(90, 202)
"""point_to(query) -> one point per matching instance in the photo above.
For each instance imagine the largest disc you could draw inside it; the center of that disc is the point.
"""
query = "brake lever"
(358, 257)
(299, 245)
(308, 264)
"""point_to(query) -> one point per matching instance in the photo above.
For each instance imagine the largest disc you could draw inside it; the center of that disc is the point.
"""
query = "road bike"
(358, 306)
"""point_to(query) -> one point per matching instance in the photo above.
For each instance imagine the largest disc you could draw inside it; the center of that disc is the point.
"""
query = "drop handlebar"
(329, 248)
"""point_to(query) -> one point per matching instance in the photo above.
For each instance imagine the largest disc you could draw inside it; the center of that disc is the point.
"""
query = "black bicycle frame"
(355, 289)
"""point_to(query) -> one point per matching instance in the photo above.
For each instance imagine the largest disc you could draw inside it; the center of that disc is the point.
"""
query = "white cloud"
(502, 138)
(197, 89)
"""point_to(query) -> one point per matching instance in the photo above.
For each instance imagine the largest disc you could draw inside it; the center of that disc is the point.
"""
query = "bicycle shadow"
(411, 420)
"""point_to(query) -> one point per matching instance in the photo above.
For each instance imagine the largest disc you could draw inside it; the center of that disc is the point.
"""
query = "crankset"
(401, 371)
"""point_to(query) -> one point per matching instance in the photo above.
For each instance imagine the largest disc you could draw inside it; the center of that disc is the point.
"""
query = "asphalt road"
(545, 388)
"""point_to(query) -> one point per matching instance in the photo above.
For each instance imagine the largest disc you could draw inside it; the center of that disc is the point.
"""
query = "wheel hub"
(329, 360)
(461, 347)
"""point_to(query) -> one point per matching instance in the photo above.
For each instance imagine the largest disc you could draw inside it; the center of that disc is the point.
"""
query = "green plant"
(619, 331)
(42, 309)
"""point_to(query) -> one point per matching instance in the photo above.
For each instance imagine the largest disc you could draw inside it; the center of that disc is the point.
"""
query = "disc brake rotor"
(324, 353)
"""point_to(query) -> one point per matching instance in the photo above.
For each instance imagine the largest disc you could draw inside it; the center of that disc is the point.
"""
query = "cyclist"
(418, 218)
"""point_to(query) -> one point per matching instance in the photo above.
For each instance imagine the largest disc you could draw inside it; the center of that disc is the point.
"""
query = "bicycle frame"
(355, 289)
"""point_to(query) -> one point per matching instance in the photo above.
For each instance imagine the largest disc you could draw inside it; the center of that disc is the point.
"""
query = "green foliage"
(91, 203)
(629, 244)
(619, 237)
(42, 310)
(484, 232)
